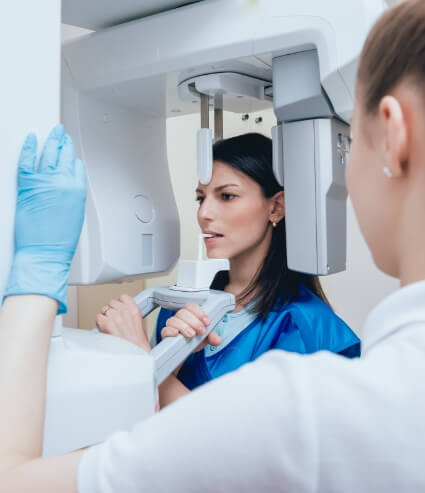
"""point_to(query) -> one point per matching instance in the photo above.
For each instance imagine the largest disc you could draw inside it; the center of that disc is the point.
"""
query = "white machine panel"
(96, 384)
(315, 155)
(131, 226)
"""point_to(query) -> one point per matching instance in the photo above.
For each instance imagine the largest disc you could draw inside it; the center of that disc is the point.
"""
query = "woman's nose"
(206, 210)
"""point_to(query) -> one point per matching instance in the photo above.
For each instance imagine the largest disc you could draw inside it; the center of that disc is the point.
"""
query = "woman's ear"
(277, 207)
(394, 125)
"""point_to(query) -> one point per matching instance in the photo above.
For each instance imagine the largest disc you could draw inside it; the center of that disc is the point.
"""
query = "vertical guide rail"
(218, 117)
(205, 111)
(204, 143)
(29, 96)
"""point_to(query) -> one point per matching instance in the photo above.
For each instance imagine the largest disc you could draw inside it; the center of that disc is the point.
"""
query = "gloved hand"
(49, 216)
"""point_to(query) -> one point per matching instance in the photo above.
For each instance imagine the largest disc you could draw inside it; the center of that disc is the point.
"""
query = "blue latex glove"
(49, 216)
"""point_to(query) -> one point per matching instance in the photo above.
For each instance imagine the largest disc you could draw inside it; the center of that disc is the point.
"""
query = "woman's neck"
(244, 268)
(241, 275)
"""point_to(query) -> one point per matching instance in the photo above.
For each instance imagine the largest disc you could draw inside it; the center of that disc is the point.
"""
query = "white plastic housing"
(97, 384)
(97, 14)
(277, 137)
(197, 275)
(141, 63)
(131, 226)
(238, 91)
(315, 156)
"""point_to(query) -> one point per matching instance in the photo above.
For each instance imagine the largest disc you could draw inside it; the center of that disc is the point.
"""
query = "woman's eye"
(199, 199)
(227, 196)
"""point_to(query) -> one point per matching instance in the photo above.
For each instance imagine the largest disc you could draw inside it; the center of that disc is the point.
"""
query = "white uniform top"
(318, 423)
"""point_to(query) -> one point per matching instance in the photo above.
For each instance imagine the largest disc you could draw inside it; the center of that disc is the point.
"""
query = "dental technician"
(317, 423)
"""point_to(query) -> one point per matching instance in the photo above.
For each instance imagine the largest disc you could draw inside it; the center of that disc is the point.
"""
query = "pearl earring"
(388, 172)
(273, 224)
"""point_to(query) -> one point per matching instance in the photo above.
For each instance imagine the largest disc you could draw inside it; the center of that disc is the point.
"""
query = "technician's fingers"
(66, 155)
(50, 154)
(28, 154)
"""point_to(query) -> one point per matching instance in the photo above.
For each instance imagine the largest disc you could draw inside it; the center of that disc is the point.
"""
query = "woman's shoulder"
(304, 304)
(318, 325)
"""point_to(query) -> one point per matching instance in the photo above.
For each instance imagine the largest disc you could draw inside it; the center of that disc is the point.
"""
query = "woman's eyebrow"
(217, 189)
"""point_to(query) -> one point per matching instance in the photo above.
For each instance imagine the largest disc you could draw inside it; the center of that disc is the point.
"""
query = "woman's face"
(232, 208)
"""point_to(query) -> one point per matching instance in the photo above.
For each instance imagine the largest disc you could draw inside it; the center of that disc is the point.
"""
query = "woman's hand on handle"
(190, 321)
(122, 318)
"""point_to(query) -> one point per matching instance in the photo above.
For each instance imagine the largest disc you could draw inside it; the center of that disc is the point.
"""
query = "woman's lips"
(213, 239)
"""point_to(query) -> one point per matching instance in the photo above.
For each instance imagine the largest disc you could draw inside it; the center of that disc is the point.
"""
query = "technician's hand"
(122, 318)
(190, 321)
(49, 216)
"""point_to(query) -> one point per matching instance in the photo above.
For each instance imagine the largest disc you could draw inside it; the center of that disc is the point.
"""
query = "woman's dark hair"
(251, 154)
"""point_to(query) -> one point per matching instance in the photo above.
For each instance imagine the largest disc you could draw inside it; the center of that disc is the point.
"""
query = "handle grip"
(173, 351)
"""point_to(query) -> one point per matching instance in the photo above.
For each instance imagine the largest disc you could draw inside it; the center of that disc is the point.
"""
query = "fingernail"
(190, 333)
(206, 320)
(201, 330)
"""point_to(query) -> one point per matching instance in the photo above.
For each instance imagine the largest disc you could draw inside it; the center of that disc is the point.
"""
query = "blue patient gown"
(304, 325)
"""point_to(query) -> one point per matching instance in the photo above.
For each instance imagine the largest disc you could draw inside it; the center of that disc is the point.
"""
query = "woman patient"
(243, 209)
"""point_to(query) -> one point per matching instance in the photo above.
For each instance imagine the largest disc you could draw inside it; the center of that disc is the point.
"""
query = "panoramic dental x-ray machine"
(148, 61)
